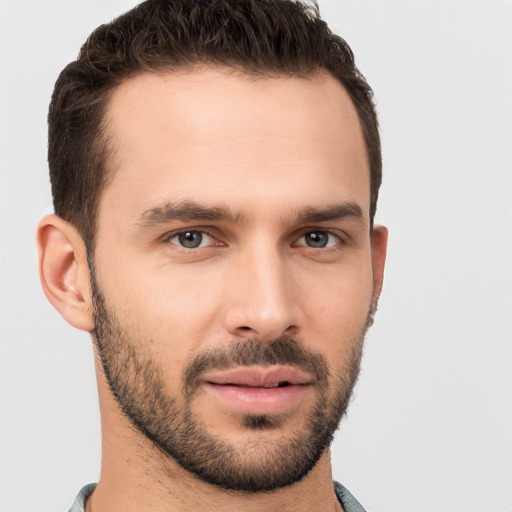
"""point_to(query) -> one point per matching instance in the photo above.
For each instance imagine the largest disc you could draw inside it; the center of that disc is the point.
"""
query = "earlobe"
(64, 271)
(379, 249)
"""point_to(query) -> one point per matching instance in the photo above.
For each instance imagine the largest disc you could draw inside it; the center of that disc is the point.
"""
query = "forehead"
(214, 135)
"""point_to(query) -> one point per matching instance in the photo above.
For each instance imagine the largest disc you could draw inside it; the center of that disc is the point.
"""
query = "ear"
(64, 271)
(379, 247)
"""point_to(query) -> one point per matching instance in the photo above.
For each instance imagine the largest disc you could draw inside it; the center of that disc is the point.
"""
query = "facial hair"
(138, 384)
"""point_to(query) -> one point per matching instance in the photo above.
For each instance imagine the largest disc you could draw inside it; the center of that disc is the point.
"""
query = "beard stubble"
(138, 385)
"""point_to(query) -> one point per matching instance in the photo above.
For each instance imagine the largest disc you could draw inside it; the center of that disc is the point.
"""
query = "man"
(215, 169)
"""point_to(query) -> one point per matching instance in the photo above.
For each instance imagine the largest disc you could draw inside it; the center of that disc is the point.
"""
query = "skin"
(269, 150)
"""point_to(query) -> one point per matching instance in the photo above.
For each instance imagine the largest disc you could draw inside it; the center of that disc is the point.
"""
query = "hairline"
(104, 137)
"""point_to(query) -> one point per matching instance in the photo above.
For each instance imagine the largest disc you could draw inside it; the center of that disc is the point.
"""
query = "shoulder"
(347, 501)
(79, 503)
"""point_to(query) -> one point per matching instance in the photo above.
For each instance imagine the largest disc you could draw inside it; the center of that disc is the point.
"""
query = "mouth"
(258, 390)
(281, 384)
(259, 377)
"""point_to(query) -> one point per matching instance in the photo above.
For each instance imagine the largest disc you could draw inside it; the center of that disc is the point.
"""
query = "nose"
(262, 297)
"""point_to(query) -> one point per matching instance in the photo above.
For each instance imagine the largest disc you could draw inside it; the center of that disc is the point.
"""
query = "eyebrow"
(187, 210)
(333, 212)
(191, 211)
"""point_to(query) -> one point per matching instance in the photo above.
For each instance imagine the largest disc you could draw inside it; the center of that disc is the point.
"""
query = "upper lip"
(258, 376)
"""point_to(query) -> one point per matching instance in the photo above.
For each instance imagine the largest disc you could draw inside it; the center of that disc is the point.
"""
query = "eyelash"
(328, 248)
(168, 237)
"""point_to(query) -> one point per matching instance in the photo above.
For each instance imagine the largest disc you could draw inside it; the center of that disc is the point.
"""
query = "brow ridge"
(332, 212)
(191, 210)
(186, 210)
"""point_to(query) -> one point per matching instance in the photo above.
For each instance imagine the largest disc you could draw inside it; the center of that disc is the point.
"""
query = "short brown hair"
(263, 37)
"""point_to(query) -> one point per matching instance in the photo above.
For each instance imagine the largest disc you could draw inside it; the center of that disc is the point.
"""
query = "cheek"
(173, 309)
(337, 310)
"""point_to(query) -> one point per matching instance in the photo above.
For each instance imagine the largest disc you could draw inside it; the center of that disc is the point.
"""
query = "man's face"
(233, 269)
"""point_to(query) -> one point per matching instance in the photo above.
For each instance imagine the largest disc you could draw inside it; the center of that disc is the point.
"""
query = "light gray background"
(430, 428)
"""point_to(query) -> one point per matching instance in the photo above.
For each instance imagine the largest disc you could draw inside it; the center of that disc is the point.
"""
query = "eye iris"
(190, 239)
(317, 239)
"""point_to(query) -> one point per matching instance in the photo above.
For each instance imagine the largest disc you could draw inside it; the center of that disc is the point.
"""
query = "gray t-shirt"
(347, 501)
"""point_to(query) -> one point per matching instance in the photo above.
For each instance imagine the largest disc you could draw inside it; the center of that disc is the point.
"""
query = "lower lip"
(252, 400)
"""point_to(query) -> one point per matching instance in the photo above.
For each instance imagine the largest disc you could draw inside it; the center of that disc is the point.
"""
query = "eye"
(318, 239)
(191, 239)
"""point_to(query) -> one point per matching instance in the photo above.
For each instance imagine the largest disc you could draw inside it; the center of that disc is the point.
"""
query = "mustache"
(284, 350)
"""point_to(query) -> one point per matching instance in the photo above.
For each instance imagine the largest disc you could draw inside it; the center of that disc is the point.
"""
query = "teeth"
(281, 384)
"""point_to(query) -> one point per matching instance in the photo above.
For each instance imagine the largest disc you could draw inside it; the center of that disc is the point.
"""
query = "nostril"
(291, 330)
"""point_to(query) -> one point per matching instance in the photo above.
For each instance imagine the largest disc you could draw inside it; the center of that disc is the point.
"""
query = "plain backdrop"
(430, 427)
